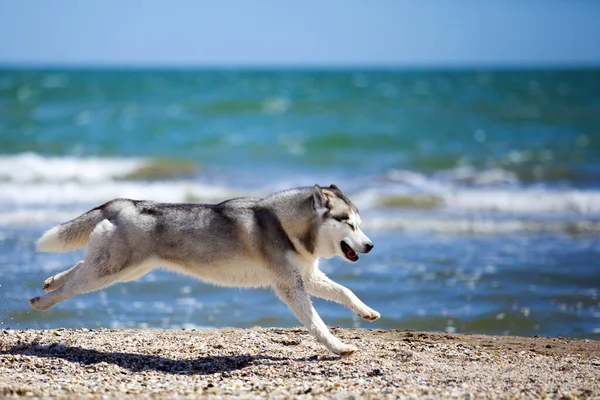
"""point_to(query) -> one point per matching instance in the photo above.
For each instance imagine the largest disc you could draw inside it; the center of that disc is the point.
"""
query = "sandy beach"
(284, 363)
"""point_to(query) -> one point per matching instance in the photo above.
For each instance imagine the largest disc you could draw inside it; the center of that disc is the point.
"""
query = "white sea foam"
(525, 200)
(509, 200)
(54, 193)
(31, 167)
(468, 174)
(476, 225)
(44, 190)
(33, 187)
(494, 190)
(448, 178)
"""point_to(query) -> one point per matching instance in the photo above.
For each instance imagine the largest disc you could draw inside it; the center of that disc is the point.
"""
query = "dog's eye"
(341, 218)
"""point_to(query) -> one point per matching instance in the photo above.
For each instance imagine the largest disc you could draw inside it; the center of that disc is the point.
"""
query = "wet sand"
(286, 363)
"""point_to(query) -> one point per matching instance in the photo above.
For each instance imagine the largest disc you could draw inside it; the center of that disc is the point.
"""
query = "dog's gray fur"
(273, 241)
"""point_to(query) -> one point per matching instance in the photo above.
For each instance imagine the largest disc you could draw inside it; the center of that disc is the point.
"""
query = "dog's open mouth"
(348, 252)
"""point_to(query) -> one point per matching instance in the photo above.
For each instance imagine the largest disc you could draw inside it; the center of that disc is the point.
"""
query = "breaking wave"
(35, 189)
(467, 189)
(499, 200)
(477, 225)
(31, 167)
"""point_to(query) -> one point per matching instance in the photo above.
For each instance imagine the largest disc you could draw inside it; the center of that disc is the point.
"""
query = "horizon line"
(299, 66)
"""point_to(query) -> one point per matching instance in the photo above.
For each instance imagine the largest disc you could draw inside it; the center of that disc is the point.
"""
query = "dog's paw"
(37, 303)
(369, 315)
(345, 350)
(41, 303)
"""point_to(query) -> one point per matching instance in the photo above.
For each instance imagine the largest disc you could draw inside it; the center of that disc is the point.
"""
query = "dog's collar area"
(348, 251)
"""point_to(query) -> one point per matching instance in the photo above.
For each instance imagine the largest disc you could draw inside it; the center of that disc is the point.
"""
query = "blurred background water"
(479, 187)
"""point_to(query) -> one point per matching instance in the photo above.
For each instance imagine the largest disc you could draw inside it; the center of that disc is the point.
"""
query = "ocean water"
(479, 189)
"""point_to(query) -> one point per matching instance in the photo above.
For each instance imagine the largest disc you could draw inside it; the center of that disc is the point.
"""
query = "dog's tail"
(75, 234)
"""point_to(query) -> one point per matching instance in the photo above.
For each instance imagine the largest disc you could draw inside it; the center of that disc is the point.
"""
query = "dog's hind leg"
(105, 262)
(56, 281)
(83, 280)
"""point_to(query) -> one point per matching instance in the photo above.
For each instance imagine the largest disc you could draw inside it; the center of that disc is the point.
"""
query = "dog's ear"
(335, 189)
(319, 201)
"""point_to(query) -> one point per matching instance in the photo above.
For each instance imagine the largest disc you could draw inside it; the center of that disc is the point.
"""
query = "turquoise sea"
(479, 188)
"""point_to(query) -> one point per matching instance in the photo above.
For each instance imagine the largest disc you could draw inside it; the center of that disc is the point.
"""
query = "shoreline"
(287, 362)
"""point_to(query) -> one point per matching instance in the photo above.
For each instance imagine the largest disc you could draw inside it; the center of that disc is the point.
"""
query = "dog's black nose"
(368, 247)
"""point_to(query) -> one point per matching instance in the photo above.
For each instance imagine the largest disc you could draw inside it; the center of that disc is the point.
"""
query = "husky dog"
(246, 242)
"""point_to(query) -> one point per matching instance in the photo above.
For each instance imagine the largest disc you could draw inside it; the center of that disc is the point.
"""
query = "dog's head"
(339, 230)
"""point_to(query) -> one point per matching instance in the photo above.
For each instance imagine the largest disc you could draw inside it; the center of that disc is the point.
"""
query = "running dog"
(245, 242)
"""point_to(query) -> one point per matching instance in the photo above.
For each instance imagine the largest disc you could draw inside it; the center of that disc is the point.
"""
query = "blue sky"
(300, 33)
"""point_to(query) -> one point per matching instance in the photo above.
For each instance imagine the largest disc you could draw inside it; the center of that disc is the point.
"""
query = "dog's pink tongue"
(350, 253)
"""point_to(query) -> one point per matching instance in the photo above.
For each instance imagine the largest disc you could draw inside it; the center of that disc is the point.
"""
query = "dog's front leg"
(290, 288)
(318, 284)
